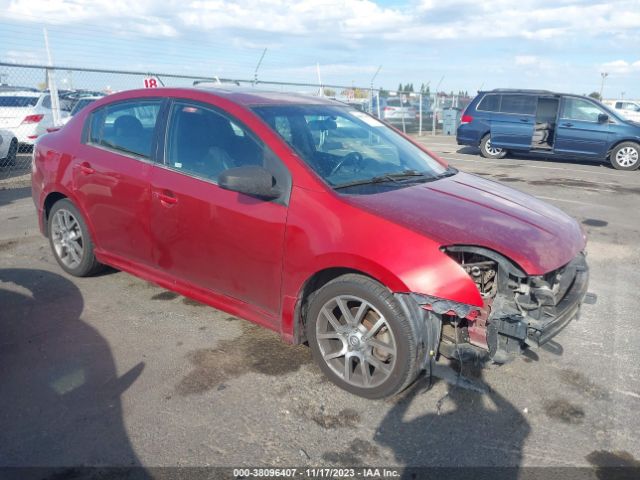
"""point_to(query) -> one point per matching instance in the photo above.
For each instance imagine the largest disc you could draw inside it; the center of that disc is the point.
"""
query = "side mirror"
(603, 118)
(250, 180)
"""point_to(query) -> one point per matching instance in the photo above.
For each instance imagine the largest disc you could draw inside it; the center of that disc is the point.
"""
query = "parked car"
(400, 113)
(311, 218)
(79, 104)
(551, 124)
(8, 148)
(628, 109)
(26, 114)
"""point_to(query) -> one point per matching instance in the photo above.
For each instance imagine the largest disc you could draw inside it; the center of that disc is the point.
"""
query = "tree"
(400, 87)
(383, 93)
(595, 95)
(329, 92)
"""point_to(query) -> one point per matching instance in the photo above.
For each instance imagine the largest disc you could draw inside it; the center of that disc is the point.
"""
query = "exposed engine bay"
(518, 310)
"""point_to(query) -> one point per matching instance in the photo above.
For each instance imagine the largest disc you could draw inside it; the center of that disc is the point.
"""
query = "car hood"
(468, 210)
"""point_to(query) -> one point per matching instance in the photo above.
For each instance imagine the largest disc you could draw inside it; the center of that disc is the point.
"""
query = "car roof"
(240, 95)
(531, 92)
(20, 93)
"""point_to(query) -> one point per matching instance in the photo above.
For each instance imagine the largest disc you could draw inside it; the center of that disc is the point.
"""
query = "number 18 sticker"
(150, 82)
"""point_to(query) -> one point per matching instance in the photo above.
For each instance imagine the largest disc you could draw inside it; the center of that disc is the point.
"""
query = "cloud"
(426, 20)
(621, 67)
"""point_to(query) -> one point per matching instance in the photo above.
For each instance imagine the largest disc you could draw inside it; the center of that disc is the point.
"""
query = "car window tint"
(17, 101)
(580, 109)
(203, 142)
(46, 101)
(522, 104)
(126, 126)
(490, 103)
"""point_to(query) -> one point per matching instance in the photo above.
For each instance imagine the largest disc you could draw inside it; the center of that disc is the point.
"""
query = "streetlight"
(603, 75)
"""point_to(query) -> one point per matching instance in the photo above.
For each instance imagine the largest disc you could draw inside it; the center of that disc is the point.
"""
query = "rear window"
(522, 104)
(490, 103)
(395, 102)
(11, 101)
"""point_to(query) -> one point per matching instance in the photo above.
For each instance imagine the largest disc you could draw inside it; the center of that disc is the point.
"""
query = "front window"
(350, 149)
(580, 109)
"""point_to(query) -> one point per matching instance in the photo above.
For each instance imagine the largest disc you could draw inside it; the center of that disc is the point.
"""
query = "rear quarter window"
(490, 103)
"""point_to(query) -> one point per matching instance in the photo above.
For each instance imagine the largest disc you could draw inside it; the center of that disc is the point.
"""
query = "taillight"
(387, 109)
(33, 118)
(466, 119)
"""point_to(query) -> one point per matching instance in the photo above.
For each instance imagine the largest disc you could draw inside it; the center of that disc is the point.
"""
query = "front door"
(581, 130)
(223, 241)
(111, 177)
(512, 127)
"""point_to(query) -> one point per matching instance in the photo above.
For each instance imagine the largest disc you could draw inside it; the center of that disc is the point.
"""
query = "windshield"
(17, 101)
(347, 147)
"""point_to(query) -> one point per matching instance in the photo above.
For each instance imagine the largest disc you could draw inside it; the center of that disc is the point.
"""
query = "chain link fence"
(35, 99)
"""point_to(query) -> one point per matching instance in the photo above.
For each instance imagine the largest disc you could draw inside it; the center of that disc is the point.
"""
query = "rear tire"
(625, 156)
(70, 240)
(487, 151)
(370, 350)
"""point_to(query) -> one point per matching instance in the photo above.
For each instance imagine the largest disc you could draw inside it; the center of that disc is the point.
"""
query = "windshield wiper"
(395, 177)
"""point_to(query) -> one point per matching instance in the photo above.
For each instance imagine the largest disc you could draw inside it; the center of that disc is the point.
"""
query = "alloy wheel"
(67, 238)
(356, 341)
(492, 150)
(627, 156)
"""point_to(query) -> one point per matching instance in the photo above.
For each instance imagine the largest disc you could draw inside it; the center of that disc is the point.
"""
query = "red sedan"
(313, 219)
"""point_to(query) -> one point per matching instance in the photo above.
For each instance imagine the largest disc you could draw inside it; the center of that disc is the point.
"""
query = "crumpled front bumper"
(538, 331)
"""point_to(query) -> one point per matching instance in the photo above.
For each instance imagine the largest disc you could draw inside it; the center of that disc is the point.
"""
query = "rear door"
(579, 132)
(222, 241)
(111, 176)
(512, 126)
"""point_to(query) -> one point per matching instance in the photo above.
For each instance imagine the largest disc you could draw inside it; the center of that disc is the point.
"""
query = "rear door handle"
(85, 168)
(525, 120)
(567, 124)
(166, 198)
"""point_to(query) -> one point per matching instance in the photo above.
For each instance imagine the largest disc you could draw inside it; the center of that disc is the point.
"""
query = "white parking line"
(477, 160)
(567, 201)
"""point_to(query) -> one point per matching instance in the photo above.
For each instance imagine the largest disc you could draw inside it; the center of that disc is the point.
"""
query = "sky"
(560, 45)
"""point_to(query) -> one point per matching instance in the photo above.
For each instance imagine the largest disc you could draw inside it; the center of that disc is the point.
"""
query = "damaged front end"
(518, 309)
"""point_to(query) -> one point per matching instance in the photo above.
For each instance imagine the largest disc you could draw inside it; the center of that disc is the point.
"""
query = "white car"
(628, 109)
(26, 114)
(79, 105)
(8, 148)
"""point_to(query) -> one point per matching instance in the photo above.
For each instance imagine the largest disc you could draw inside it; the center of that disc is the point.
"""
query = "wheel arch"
(312, 284)
(48, 203)
(613, 146)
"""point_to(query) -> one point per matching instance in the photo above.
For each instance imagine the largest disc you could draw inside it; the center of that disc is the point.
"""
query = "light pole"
(603, 75)
(371, 97)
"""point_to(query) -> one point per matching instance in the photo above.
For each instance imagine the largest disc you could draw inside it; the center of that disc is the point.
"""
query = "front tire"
(488, 151)
(625, 156)
(360, 337)
(70, 240)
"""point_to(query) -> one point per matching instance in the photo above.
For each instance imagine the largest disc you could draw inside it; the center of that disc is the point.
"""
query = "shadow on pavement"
(470, 429)
(10, 195)
(60, 403)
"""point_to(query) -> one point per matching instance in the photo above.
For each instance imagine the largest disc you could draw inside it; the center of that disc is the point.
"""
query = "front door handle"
(86, 168)
(524, 120)
(166, 198)
(567, 125)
